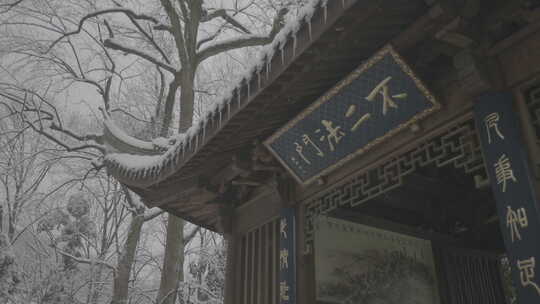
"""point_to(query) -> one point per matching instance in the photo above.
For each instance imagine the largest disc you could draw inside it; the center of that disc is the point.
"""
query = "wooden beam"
(195, 195)
(235, 168)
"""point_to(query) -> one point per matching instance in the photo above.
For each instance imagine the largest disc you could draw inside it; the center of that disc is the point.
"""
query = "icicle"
(325, 7)
(219, 126)
(294, 45)
(282, 56)
(238, 90)
(203, 131)
(146, 172)
(249, 88)
(268, 60)
(259, 78)
(229, 108)
(343, 3)
(309, 29)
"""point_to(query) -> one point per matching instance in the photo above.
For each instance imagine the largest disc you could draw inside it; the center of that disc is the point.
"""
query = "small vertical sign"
(287, 257)
(507, 166)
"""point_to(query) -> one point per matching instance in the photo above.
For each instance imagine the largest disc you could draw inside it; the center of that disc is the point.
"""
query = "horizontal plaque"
(377, 100)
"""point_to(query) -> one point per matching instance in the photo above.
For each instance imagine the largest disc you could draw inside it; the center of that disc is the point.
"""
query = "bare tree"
(23, 167)
(6, 7)
(79, 240)
(85, 43)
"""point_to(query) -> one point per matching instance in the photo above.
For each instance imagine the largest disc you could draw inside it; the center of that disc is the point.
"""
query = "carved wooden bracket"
(225, 219)
(477, 72)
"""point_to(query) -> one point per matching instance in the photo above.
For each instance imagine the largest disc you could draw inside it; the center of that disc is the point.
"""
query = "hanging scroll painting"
(356, 263)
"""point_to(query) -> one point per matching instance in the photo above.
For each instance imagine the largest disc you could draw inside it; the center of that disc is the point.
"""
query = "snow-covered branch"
(40, 117)
(225, 45)
(116, 46)
(153, 213)
(60, 142)
(222, 13)
(125, 11)
(86, 261)
(176, 30)
(8, 6)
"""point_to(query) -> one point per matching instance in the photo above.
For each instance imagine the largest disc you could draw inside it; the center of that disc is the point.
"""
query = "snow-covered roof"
(145, 170)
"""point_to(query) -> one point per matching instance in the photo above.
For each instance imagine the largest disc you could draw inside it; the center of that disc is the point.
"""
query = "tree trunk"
(187, 98)
(96, 285)
(173, 261)
(126, 260)
(3, 220)
(11, 227)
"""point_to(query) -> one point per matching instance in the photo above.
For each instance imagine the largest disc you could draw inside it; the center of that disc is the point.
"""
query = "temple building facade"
(380, 152)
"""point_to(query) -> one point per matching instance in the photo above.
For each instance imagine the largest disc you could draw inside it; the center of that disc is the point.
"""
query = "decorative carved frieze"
(457, 146)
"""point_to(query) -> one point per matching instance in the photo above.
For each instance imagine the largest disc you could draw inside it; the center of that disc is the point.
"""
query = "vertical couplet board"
(287, 257)
(507, 166)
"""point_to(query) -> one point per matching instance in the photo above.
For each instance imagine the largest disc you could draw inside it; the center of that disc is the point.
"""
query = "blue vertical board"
(506, 161)
(287, 257)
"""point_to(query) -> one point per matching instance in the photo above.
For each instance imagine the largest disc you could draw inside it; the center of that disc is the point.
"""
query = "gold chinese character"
(515, 220)
(526, 273)
(334, 135)
(504, 172)
(307, 141)
(284, 291)
(283, 259)
(492, 122)
(300, 151)
(282, 228)
(361, 120)
(383, 89)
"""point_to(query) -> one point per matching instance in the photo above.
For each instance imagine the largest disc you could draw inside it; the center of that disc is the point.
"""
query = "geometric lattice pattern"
(533, 103)
(458, 146)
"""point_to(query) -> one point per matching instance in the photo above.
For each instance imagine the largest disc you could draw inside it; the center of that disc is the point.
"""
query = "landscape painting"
(356, 263)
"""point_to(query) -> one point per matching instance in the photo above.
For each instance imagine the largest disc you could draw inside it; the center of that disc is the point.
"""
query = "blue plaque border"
(388, 49)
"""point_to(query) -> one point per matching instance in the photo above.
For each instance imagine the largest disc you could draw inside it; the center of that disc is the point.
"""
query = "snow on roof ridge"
(139, 169)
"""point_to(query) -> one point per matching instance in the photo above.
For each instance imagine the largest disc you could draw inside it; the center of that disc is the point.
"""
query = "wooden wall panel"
(258, 282)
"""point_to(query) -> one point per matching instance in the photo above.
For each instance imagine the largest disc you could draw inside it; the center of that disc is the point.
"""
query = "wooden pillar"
(227, 227)
(304, 256)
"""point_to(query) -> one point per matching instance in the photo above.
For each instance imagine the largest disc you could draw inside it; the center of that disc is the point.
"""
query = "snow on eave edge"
(144, 171)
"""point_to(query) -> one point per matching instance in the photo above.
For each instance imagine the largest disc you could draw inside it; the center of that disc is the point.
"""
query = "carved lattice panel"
(458, 146)
(533, 103)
